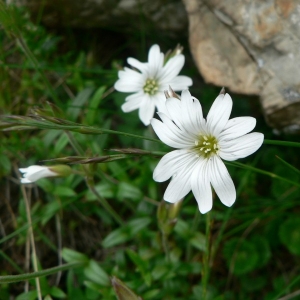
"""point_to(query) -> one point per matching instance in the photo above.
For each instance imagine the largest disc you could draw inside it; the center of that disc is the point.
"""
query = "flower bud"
(35, 172)
(122, 291)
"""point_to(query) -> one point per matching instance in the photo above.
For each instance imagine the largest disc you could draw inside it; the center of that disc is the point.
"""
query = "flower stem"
(28, 276)
(90, 182)
(281, 143)
(166, 246)
(205, 268)
(31, 236)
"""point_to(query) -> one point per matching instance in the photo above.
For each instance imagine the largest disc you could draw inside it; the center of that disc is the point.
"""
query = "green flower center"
(206, 146)
(151, 86)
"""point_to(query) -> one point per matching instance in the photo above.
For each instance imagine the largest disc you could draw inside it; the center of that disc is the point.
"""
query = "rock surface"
(251, 47)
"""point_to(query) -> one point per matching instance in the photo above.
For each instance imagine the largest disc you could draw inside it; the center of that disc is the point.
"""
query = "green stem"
(166, 246)
(83, 129)
(205, 270)
(281, 143)
(28, 276)
(32, 242)
(275, 176)
(90, 183)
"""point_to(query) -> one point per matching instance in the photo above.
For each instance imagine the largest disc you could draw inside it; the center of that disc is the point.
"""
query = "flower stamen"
(206, 146)
(151, 86)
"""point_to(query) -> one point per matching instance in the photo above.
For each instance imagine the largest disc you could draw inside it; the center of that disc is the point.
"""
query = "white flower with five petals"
(149, 81)
(202, 144)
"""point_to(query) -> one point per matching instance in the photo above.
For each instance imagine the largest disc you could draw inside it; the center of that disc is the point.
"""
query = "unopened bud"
(35, 172)
(122, 291)
(171, 94)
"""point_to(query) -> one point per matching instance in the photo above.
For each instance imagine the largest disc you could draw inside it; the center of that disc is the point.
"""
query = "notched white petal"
(219, 114)
(169, 164)
(146, 111)
(221, 181)
(201, 187)
(241, 147)
(237, 127)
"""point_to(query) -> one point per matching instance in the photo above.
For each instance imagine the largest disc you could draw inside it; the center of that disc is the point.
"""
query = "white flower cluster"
(201, 143)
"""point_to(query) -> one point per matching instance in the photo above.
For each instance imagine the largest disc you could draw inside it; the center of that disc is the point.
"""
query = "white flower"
(34, 173)
(202, 143)
(148, 84)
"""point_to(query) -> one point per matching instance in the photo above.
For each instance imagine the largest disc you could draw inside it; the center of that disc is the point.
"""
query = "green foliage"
(290, 235)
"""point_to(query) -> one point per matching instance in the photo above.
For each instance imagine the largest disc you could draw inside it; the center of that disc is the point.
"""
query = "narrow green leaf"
(72, 256)
(93, 105)
(77, 104)
(95, 273)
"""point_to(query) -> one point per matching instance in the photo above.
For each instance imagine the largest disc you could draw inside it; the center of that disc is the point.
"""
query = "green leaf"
(116, 237)
(289, 234)
(76, 107)
(199, 241)
(93, 105)
(49, 210)
(57, 292)
(71, 256)
(60, 144)
(138, 224)
(95, 273)
(141, 265)
(241, 256)
(255, 283)
(63, 191)
(32, 295)
(127, 190)
(262, 249)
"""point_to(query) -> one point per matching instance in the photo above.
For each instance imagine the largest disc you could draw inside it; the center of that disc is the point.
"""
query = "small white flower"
(34, 173)
(150, 81)
(202, 143)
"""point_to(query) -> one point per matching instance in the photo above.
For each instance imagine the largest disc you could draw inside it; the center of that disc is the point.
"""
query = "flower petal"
(171, 69)
(146, 110)
(137, 64)
(221, 181)
(186, 139)
(155, 61)
(174, 110)
(133, 102)
(130, 81)
(237, 127)
(192, 114)
(219, 114)
(166, 135)
(180, 83)
(171, 163)
(180, 184)
(201, 187)
(159, 100)
(240, 147)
